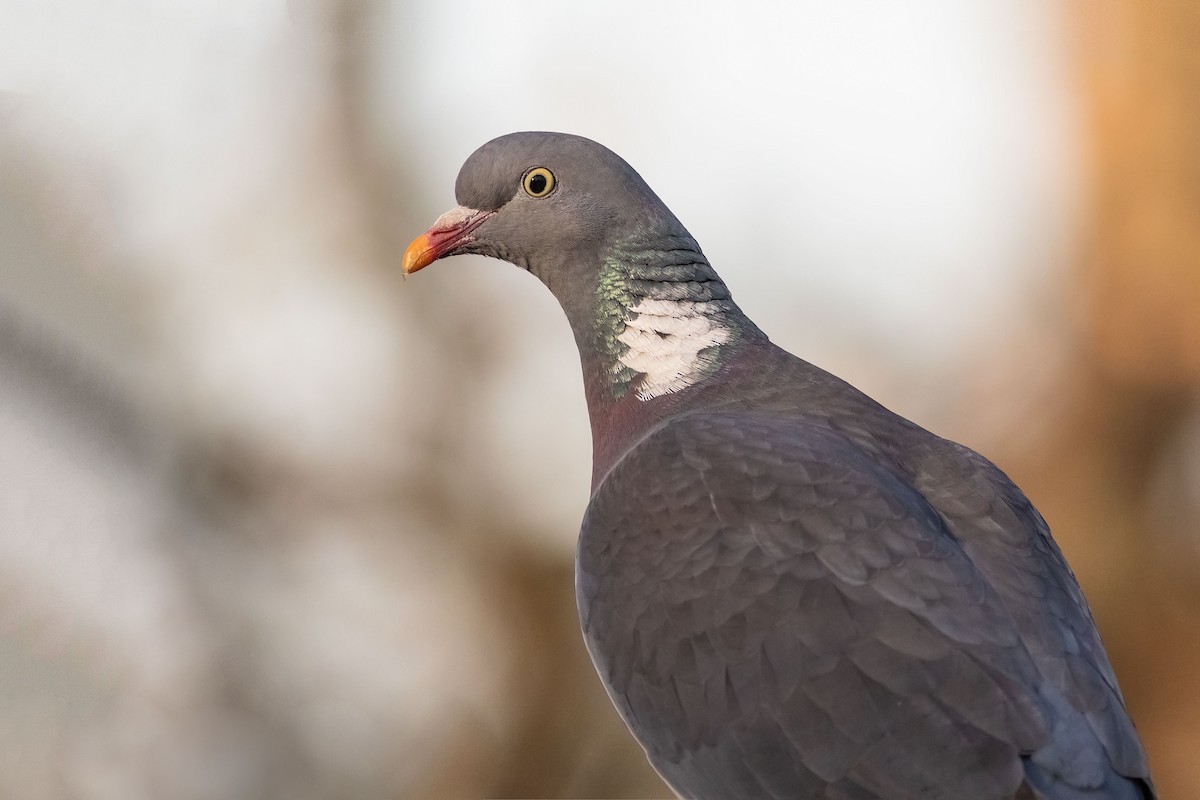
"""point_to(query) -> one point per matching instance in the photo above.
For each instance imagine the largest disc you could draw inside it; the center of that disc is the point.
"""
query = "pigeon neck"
(664, 317)
(662, 321)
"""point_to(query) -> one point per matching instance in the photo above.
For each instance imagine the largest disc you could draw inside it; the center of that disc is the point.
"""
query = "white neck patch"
(665, 338)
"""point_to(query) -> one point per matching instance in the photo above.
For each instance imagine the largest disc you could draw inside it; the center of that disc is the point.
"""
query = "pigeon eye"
(538, 182)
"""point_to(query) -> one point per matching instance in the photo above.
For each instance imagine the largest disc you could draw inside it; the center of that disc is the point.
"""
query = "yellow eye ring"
(538, 182)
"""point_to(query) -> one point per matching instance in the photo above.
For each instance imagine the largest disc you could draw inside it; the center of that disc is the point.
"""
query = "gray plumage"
(788, 590)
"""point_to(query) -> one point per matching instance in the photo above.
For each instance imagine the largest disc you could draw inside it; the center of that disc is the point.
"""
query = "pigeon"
(788, 590)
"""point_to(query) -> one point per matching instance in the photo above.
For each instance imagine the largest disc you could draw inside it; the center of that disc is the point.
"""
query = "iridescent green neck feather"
(665, 317)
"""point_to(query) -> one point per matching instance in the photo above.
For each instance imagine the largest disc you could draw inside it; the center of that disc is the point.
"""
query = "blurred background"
(274, 525)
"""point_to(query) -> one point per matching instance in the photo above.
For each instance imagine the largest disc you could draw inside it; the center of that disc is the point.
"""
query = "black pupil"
(537, 183)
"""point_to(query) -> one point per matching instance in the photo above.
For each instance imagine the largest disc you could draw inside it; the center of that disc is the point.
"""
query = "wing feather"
(776, 613)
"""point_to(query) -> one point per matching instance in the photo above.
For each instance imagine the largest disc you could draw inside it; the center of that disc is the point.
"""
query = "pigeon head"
(649, 314)
(547, 202)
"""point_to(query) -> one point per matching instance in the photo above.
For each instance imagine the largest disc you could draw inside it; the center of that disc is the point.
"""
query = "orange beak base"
(451, 231)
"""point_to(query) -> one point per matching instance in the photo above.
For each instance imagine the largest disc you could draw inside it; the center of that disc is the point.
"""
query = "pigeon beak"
(451, 231)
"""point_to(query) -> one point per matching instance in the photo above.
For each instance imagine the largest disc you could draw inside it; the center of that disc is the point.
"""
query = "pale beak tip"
(417, 256)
